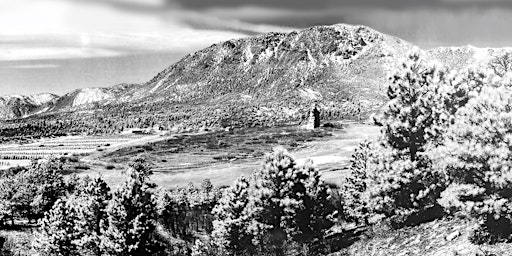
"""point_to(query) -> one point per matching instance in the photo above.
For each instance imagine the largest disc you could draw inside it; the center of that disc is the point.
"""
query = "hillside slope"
(331, 64)
(449, 236)
(260, 80)
(15, 106)
(86, 97)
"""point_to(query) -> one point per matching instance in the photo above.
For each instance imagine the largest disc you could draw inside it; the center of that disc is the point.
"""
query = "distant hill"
(465, 56)
(259, 80)
(84, 98)
(16, 106)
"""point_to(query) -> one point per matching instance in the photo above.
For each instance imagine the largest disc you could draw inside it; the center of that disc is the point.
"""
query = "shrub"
(354, 192)
(131, 214)
(72, 226)
(477, 158)
(284, 206)
(404, 182)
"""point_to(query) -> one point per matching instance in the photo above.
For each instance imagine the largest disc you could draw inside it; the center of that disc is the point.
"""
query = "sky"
(57, 46)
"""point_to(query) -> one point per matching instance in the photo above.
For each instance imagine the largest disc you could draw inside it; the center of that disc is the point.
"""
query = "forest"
(445, 151)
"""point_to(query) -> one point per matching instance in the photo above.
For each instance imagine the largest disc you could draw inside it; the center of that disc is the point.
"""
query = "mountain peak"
(265, 79)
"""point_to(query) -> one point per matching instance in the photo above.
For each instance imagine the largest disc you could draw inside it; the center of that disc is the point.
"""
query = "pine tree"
(354, 190)
(288, 205)
(477, 158)
(404, 182)
(96, 196)
(230, 225)
(72, 226)
(59, 231)
(131, 215)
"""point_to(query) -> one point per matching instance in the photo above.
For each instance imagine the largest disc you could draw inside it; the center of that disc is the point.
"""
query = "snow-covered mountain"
(19, 106)
(16, 106)
(465, 56)
(86, 97)
(326, 60)
(343, 67)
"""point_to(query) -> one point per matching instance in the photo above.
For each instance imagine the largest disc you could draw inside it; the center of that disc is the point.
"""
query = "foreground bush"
(478, 160)
(354, 195)
(283, 208)
(94, 222)
(32, 192)
(404, 183)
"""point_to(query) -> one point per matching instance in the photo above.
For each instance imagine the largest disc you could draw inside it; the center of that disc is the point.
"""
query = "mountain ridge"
(273, 75)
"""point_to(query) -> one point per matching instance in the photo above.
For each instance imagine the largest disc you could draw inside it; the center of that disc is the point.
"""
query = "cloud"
(34, 66)
(425, 26)
(44, 53)
(58, 29)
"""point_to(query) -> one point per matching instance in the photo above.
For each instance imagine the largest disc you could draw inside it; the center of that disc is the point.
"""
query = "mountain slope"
(86, 97)
(16, 106)
(272, 78)
(330, 61)
(261, 80)
(465, 56)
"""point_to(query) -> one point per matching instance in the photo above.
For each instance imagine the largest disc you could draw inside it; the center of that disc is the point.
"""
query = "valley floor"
(222, 157)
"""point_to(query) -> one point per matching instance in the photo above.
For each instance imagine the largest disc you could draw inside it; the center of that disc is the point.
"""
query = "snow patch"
(310, 94)
(41, 99)
(90, 95)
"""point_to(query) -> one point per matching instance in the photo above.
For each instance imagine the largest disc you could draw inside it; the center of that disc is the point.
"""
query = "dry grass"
(436, 238)
(222, 157)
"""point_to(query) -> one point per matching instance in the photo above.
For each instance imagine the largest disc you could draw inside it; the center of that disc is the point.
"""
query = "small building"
(313, 118)
(133, 131)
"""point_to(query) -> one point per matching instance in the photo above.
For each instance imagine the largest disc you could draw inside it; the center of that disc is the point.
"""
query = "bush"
(404, 184)
(283, 207)
(354, 192)
(477, 158)
(131, 215)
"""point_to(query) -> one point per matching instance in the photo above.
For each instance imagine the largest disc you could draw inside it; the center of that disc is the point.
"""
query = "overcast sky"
(61, 45)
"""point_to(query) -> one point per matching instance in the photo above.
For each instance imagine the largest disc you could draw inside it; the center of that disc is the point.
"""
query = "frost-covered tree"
(131, 214)
(404, 182)
(410, 113)
(230, 233)
(477, 158)
(501, 64)
(288, 204)
(354, 192)
(95, 194)
(32, 192)
(59, 232)
(283, 206)
(73, 225)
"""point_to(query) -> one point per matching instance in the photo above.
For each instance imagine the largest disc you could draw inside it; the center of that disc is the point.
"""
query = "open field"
(224, 156)
(21, 155)
(182, 158)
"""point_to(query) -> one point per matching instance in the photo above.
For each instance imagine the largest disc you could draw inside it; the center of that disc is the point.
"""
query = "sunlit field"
(21, 155)
(224, 156)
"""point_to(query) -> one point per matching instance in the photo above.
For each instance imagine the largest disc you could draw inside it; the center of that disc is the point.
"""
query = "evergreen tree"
(95, 194)
(59, 231)
(230, 233)
(354, 190)
(288, 205)
(72, 226)
(131, 215)
(404, 182)
(477, 158)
